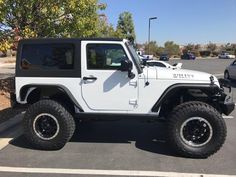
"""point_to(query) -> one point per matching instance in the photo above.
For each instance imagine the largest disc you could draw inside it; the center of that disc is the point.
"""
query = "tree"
(160, 51)
(107, 30)
(51, 18)
(188, 48)
(125, 26)
(211, 47)
(230, 48)
(152, 47)
(233, 46)
(195, 49)
(171, 48)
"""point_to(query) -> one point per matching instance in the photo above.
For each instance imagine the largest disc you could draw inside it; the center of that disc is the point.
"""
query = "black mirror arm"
(131, 75)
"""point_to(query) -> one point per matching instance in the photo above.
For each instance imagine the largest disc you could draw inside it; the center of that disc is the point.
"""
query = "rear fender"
(27, 90)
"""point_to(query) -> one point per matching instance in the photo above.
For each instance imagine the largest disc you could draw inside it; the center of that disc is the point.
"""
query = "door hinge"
(133, 83)
(133, 101)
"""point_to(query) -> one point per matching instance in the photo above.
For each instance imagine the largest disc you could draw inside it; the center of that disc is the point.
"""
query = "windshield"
(134, 54)
(136, 58)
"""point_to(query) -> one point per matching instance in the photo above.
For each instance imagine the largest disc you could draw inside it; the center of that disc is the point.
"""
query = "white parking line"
(104, 172)
(5, 65)
(228, 117)
(221, 74)
(4, 142)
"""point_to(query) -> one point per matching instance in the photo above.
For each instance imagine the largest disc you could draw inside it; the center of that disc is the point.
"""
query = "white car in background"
(230, 71)
(224, 55)
(157, 63)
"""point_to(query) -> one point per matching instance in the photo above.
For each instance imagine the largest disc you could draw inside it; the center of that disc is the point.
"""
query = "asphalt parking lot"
(113, 148)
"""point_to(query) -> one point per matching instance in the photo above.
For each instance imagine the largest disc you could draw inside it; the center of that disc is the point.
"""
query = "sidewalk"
(7, 60)
(7, 67)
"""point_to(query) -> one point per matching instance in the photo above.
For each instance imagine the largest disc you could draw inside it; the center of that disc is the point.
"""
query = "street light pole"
(149, 29)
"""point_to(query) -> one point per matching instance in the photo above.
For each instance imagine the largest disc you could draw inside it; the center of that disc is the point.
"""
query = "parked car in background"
(230, 71)
(150, 57)
(225, 55)
(164, 57)
(188, 56)
(162, 64)
(143, 57)
(139, 52)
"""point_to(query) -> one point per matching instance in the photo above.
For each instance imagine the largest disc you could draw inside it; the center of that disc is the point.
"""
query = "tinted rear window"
(47, 56)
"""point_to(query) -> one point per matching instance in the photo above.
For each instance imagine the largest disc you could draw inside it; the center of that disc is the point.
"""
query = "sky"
(181, 21)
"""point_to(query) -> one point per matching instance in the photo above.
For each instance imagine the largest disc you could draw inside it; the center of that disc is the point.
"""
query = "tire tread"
(64, 114)
(195, 106)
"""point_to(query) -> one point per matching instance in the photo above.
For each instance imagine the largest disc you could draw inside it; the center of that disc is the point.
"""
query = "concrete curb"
(10, 123)
(6, 65)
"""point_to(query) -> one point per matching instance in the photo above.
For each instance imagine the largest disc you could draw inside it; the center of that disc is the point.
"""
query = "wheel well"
(180, 95)
(32, 94)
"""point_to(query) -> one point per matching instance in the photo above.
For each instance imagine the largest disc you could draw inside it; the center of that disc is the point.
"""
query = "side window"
(47, 56)
(105, 56)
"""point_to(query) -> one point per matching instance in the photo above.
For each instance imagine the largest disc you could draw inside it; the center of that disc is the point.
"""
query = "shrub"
(205, 53)
(215, 53)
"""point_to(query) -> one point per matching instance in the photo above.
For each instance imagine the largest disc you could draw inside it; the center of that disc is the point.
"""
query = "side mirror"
(144, 62)
(127, 65)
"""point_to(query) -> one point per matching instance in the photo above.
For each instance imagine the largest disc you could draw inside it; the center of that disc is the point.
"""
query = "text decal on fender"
(183, 76)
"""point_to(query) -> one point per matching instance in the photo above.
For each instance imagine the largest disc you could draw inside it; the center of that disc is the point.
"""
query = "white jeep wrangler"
(62, 79)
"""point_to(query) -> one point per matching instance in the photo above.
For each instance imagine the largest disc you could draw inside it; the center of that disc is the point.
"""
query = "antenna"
(147, 82)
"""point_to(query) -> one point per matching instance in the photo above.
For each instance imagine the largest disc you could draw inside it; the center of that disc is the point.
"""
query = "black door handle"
(89, 78)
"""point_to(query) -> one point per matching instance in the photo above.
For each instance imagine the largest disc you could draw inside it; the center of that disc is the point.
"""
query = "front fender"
(170, 91)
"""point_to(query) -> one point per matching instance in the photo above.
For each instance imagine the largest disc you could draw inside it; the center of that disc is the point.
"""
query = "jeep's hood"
(176, 74)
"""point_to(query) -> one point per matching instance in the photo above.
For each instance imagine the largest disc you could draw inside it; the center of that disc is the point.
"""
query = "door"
(104, 86)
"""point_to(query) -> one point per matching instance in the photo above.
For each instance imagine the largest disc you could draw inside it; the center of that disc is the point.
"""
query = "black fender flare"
(174, 88)
(25, 92)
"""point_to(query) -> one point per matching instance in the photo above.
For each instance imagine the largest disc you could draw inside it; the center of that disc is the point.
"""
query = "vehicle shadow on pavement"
(8, 113)
(233, 83)
(148, 136)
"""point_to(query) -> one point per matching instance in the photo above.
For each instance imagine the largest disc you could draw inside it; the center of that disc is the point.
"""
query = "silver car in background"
(230, 71)
(225, 55)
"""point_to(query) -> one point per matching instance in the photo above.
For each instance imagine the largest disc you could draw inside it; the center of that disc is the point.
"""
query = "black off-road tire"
(185, 111)
(63, 117)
